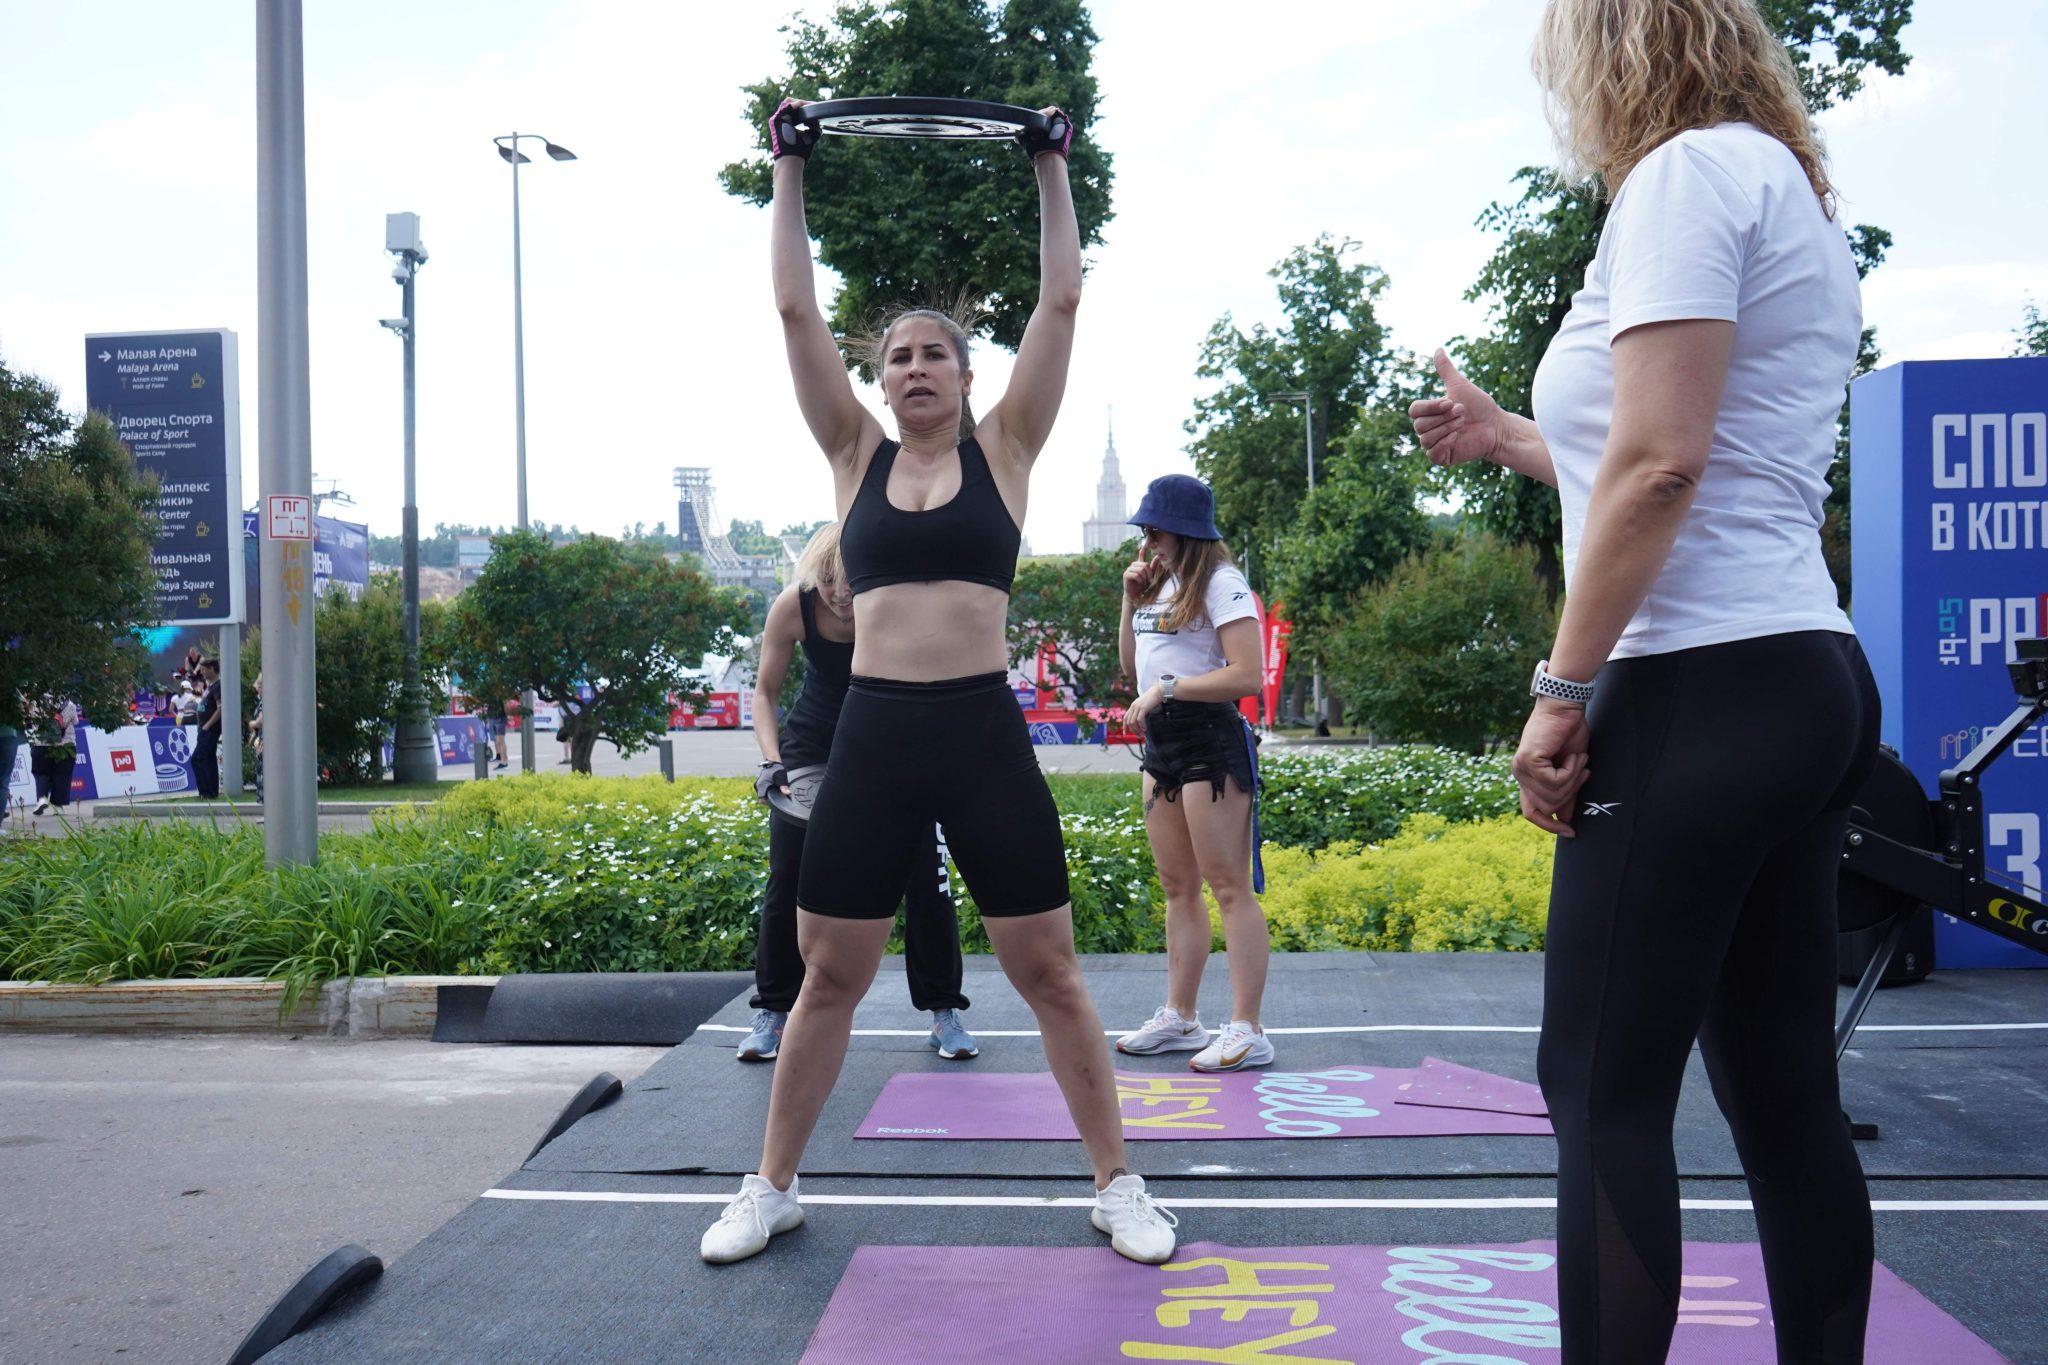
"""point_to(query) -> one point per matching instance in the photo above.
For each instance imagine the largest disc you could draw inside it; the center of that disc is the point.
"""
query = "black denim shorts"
(1198, 741)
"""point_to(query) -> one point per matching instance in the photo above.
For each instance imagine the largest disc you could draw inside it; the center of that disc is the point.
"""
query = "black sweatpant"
(206, 763)
(1698, 900)
(931, 927)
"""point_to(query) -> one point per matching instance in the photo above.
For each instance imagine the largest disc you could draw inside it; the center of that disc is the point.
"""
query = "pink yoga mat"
(901, 1305)
(1434, 1100)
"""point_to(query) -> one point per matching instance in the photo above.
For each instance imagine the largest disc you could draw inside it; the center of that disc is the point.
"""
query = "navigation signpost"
(175, 401)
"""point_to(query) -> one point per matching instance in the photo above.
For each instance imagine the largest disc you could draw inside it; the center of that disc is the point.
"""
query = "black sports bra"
(970, 538)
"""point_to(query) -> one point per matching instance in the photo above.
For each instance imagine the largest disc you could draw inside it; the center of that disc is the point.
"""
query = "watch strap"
(1546, 684)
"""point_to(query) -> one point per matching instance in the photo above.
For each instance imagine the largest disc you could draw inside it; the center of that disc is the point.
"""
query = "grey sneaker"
(766, 1040)
(950, 1039)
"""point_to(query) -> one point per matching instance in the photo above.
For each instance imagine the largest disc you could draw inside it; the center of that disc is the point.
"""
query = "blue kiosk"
(1949, 518)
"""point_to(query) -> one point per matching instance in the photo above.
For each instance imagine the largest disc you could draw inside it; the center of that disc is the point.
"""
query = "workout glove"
(1056, 138)
(770, 776)
(789, 133)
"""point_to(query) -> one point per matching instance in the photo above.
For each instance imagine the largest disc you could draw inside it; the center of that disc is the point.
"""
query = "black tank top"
(815, 713)
(970, 538)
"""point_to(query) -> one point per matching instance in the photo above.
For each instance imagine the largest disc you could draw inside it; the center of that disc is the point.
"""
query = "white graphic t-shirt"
(1194, 649)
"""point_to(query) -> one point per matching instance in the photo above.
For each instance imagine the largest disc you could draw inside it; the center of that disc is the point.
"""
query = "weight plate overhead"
(919, 116)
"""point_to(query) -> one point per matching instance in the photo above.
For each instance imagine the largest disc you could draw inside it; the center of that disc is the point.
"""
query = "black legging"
(1698, 900)
(931, 928)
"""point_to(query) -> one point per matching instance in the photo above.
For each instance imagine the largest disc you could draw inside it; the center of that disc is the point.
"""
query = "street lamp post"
(415, 758)
(1306, 400)
(508, 148)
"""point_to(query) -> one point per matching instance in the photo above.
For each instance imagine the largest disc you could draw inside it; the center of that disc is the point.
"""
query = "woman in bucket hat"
(1190, 637)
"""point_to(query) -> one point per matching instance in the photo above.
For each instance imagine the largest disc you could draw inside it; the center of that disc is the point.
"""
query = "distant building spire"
(1107, 529)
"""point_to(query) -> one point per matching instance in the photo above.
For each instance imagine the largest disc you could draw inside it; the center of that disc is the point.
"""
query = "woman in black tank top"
(926, 742)
(799, 619)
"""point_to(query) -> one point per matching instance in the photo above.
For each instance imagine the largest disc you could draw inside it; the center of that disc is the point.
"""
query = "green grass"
(379, 791)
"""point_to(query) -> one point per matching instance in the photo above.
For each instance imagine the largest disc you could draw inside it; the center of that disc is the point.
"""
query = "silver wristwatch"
(1166, 681)
(1559, 689)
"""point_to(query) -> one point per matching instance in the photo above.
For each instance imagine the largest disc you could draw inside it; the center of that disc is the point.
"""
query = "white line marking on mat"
(1381, 1028)
(1011, 1201)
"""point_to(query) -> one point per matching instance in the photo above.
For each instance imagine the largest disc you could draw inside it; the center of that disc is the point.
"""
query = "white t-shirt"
(1719, 223)
(1194, 649)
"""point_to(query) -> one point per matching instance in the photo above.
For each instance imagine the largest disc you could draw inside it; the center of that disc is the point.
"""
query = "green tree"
(620, 619)
(357, 672)
(913, 221)
(1353, 531)
(1075, 601)
(748, 538)
(2031, 338)
(76, 580)
(1249, 447)
(1548, 237)
(1442, 651)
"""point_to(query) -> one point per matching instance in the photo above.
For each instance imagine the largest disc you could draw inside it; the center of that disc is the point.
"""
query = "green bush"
(1434, 887)
(1314, 798)
(1441, 651)
(568, 873)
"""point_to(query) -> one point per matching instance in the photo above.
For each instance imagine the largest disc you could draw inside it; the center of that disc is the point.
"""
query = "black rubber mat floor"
(583, 1254)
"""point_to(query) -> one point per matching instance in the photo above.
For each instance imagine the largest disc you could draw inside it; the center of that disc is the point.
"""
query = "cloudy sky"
(127, 203)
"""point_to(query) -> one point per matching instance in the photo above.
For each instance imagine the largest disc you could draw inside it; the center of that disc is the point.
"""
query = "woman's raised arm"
(837, 419)
(1023, 419)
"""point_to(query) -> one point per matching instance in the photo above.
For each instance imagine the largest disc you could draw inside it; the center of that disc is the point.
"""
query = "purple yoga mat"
(1446, 1085)
(902, 1305)
(1341, 1101)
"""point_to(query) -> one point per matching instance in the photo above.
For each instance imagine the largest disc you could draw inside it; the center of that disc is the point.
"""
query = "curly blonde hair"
(1625, 76)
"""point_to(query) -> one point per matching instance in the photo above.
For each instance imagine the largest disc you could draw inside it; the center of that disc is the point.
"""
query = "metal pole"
(231, 729)
(285, 460)
(1308, 435)
(415, 758)
(526, 698)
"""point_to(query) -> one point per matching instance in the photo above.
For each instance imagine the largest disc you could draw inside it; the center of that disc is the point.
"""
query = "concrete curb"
(368, 1007)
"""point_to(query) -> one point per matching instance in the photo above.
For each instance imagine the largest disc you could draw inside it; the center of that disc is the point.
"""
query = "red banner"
(721, 712)
(1278, 628)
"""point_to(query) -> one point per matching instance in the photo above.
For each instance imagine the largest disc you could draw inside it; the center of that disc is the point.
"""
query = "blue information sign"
(1950, 532)
(174, 401)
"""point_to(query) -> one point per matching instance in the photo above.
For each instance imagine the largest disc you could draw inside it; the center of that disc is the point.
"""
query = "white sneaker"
(1239, 1045)
(1138, 1228)
(1165, 1031)
(759, 1212)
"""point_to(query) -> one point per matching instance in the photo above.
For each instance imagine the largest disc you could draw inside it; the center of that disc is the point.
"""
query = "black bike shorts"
(1198, 741)
(909, 754)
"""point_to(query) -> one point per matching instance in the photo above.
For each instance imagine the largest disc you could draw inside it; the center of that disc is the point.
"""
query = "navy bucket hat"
(1179, 503)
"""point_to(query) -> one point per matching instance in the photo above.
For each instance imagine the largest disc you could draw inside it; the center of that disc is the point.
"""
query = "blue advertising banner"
(341, 560)
(1949, 509)
(457, 737)
(175, 402)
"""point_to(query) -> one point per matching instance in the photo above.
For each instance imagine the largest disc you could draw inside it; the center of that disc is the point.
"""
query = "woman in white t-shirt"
(1190, 637)
(1705, 716)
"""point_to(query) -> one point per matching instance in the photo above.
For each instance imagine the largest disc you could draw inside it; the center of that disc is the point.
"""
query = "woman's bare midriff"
(926, 632)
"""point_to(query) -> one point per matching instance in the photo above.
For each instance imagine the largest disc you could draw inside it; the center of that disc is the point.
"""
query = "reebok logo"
(1600, 808)
(932, 1131)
